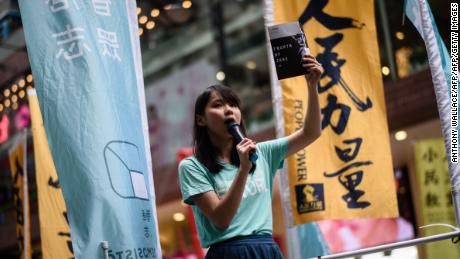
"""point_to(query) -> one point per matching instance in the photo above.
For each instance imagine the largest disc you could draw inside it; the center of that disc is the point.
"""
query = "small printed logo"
(310, 197)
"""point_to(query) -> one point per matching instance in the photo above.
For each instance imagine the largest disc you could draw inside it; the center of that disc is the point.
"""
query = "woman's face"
(216, 113)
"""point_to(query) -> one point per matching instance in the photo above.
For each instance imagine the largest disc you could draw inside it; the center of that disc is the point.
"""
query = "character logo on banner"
(310, 197)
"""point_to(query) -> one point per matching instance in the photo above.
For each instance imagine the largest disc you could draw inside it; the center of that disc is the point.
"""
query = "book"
(288, 46)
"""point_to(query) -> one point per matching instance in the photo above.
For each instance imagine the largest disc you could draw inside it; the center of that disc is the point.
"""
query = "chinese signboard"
(434, 196)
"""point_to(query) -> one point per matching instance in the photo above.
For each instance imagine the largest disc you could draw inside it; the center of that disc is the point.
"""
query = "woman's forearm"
(312, 120)
(221, 210)
(228, 206)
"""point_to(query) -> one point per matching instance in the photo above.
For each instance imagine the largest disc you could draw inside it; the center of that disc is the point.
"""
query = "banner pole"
(387, 38)
(434, 57)
(105, 249)
(292, 239)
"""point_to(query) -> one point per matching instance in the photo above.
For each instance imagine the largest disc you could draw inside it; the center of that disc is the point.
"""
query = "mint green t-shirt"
(254, 216)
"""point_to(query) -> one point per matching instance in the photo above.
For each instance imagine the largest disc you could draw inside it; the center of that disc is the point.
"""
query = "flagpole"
(105, 249)
(387, 38)
(25, 197)
(292, 238)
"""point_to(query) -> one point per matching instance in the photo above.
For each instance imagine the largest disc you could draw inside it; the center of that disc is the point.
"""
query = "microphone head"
(234, 130)
(231, 123)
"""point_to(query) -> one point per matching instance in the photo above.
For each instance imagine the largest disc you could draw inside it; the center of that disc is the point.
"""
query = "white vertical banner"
(445, 82)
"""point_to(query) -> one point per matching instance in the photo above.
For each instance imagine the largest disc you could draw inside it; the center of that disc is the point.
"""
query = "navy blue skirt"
(245, 247)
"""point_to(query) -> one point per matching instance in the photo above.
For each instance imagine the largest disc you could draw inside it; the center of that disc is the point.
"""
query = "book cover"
(288, 46)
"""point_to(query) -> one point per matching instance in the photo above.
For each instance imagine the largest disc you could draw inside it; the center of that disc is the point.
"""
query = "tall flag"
(348, 172)
(85, 58)
(434, 196)
(445, 82)
(17, 157)
(54, 226)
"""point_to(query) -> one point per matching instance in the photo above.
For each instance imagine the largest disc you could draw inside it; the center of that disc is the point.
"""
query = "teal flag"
(445, 82)
(85, 59)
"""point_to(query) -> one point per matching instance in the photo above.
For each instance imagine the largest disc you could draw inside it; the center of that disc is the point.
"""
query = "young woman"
(231, 200)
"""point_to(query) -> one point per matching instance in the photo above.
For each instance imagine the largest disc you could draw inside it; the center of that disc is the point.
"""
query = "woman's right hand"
(244, 148)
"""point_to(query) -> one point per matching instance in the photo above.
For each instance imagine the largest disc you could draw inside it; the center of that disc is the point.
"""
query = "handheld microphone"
(235, 130)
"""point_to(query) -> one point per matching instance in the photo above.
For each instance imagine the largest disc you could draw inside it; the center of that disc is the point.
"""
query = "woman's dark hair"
(203, 149)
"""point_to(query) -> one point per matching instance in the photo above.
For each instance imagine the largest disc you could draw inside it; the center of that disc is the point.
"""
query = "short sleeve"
(193, 180)
(275, 151)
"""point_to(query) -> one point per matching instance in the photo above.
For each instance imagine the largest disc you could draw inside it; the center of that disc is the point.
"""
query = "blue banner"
(86, 66)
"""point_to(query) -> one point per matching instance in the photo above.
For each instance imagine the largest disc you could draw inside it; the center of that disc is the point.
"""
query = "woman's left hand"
(314, 68)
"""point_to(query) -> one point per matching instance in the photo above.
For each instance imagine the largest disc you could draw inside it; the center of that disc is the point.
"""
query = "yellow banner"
(347, 173)
(434, 197)
(17, 157)
(54, 226)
